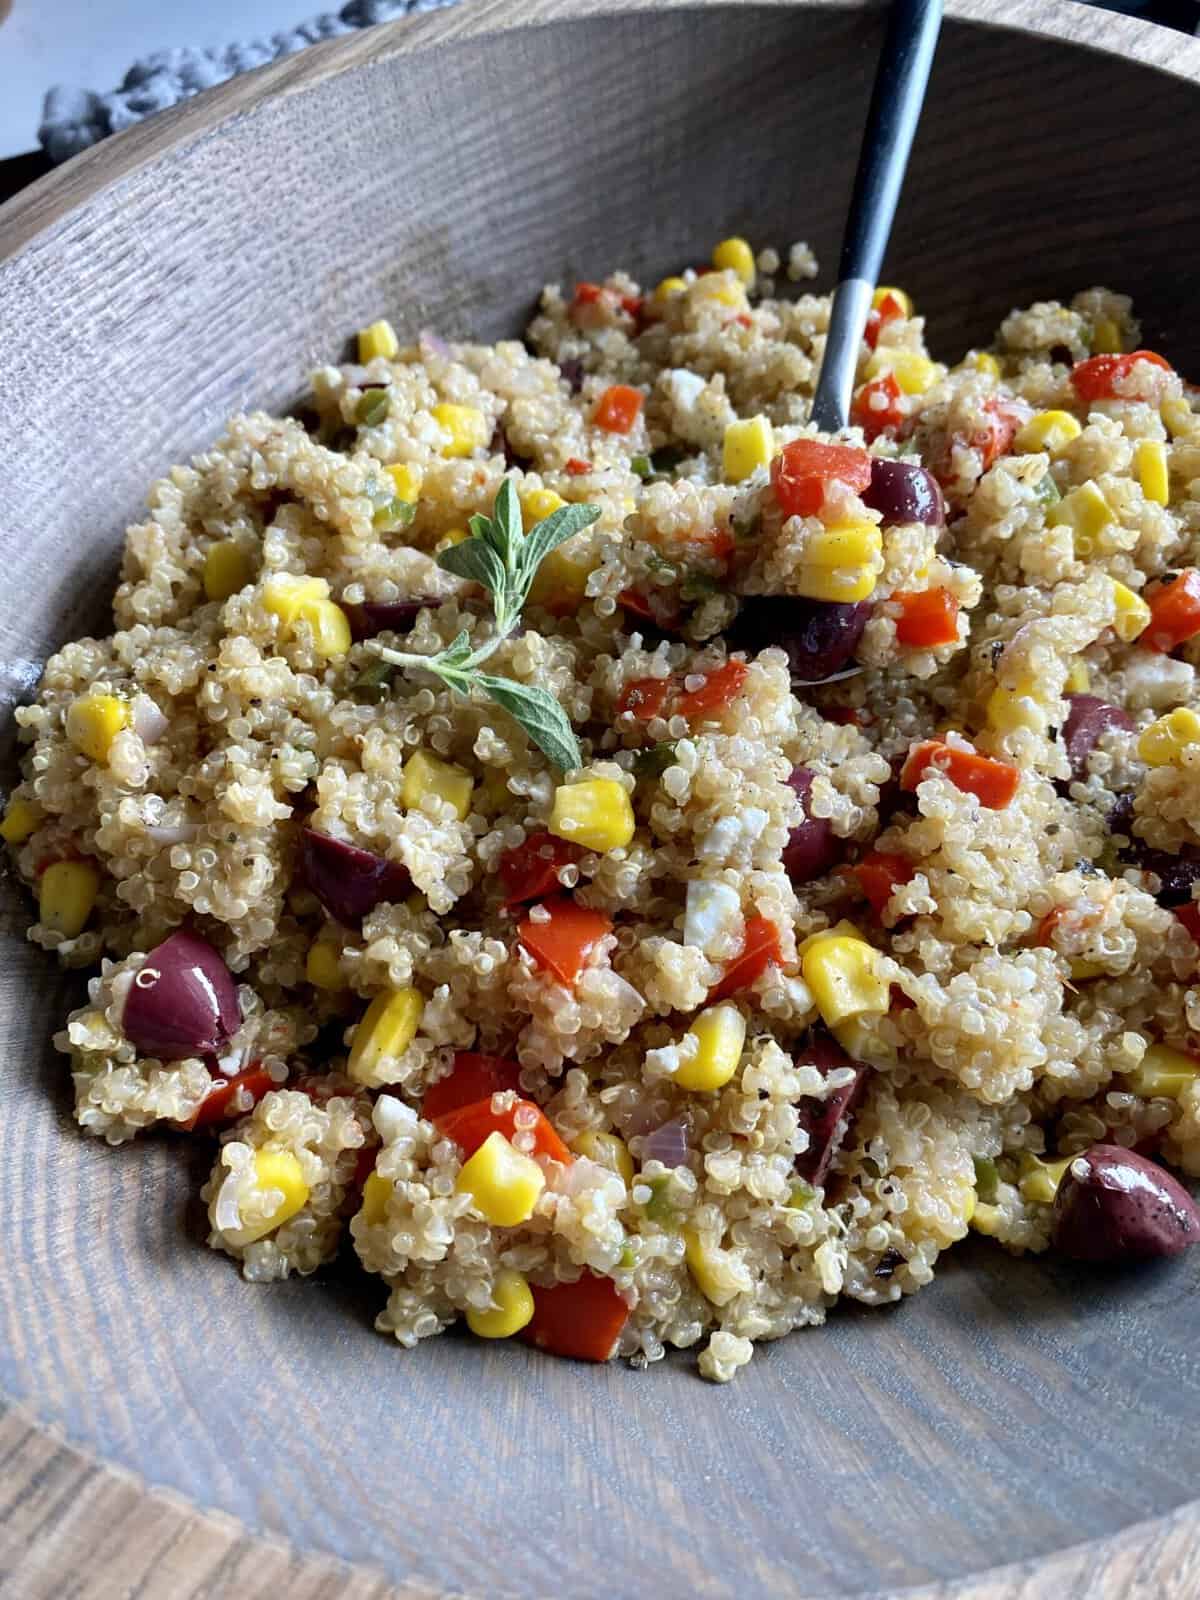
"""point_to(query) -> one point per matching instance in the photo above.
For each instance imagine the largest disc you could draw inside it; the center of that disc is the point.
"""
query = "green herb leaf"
(475, 559)
(699, 586)
(547, 535)
(507, 533)
(652, 763)
(373, 684)
(540, 714)
(481, 526)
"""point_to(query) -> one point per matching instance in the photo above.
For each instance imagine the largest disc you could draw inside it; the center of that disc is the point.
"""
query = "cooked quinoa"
(542, 1028)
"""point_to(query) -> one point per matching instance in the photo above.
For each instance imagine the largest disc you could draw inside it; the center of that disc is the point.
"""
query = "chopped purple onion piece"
(432, 344)
(349, 882)
(827, 1121)
(813, 848)
(668, 1143)
(182, 1001)
(903, 491)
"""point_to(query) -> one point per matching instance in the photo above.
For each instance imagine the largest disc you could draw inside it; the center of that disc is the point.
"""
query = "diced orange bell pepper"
(719, 689)
(472, 1078)
(530, 871)
(1174, 613)
(880, 873)
(1095, 379)
(581, 1320)
(993, 783)
(801, 470)
(577, 467)
(760, 950)
(215, 1107)
(562, 942)
(879, 406)
(469, 1126)
(928, 617)
(618, 408)
(644, 698)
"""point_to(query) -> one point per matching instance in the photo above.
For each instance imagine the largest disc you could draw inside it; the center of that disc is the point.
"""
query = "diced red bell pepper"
(879, 406)
(888, 310)
(587, 294)
(618, 408)
(801, 470)
(636, 602)
(1174, 613)
(994, 438)
(530, 871)
(880, 873)
(760, 950)
(633, 305)
(993, 783)
(644, 698)
(577, 467)
(720, 688)
(470, 1125)
(581, 1320)
(563, 941)
(928, 617)
(1096, 378)
(216, 1107)
(472, 1078)
(1189, 915)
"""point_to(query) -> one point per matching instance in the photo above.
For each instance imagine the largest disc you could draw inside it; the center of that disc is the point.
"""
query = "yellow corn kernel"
(987, 1219)
(510, 1311)
(1009, 709)
(839, 930)
(21, 819)
(466, 425)
(670, 287)
(560, 583)
(721, 293)
(857, 544)
(1163, 1073)
(883, 292)
(503, 1183)
(537, 504)
(286, 596)
(1106, 337)
(279, 1172)
(735, 253)
(67, 892)
(982, 361)
(1079, 679)
(860, 1040)
(426, 775)
(606, 1150)
(406, 481)
(1177, 415)
(595, 813)
(388, 1027)
(322, 967)
(1150, 457)
(1086, 512)
(378, 340)
(1165, 742)
(720, 1034)
(377, 1191)
(914, 372)
(1051, 431)
(718, 1274)
(1081, 970)
(845, 978)
(227, 569)
(1133, 614)
(1040, 1179)
(749, 445)
(330, 628)
(844, 585)
(449, 539)
(94, 721)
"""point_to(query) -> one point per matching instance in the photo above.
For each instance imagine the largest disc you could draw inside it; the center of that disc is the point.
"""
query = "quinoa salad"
(632, 870)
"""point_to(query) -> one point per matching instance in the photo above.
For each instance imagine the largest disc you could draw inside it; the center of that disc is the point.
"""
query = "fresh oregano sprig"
(504, 559)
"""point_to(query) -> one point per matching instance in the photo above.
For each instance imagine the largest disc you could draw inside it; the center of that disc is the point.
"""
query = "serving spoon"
(895, 109)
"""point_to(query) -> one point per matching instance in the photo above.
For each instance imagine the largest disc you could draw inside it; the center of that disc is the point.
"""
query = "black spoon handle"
(895, 109)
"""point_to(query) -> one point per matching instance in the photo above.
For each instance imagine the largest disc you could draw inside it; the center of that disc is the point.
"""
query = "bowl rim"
(1149, 1558)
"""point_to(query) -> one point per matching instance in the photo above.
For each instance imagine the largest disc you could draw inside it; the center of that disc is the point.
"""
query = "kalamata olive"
(827, 1121)
(819, 637)
(370, 617)
(1114, 1205)
(902, 491)
(1087, 719)
(812, 848)
(182, 1001)
(572, 371)
(1175, 873)
(348, 881)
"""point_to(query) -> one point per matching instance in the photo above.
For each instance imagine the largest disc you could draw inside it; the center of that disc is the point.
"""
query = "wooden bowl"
(440, 171)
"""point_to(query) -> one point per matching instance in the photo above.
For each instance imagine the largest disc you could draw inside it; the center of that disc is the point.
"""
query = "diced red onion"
(182, 1001)
(903, 491)
(149, 723)
(818, 637)
(812, 848)
(349, 882)
(1088, 718)
(432, 344)
(823, 1120)
(668, 1143)
(370, 617)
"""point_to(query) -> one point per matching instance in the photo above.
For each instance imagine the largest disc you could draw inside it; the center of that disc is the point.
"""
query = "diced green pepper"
(373, 406)
(986, 1179)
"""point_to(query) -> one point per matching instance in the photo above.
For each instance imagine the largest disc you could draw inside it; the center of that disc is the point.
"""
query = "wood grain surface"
(170, 1432)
